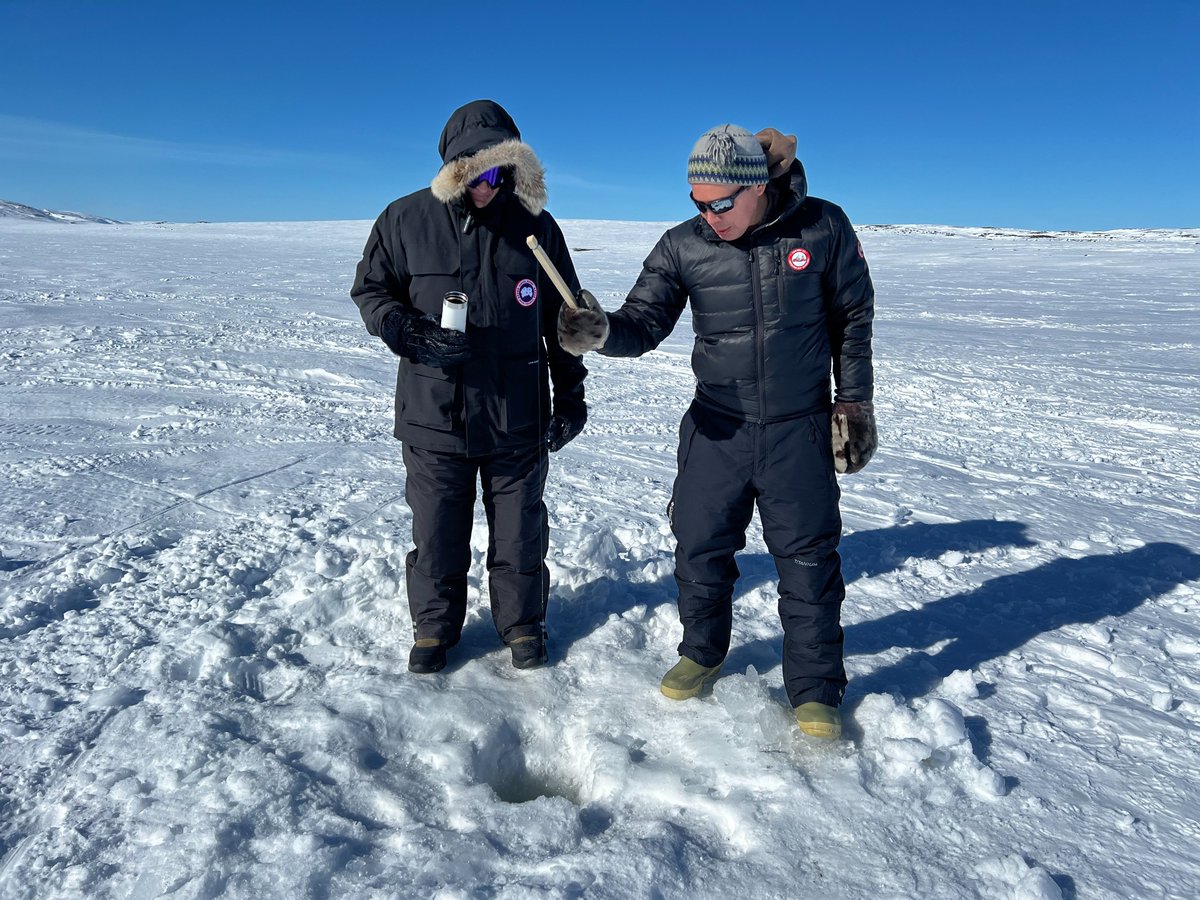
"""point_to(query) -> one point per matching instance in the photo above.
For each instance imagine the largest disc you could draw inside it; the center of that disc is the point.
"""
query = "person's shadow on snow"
(982, 624)
(576, 614)
(866, 554)
(1003, 614)
(996, 618)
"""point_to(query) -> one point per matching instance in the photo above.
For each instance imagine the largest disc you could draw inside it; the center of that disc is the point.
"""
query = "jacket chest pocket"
(428, 288)
(800, 283)
(520, 299)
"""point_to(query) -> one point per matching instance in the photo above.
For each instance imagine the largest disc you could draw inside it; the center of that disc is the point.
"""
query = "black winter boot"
(529, 652)
(428, 655)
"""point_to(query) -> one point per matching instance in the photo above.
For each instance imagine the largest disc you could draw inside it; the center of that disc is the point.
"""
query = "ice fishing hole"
(517, 773)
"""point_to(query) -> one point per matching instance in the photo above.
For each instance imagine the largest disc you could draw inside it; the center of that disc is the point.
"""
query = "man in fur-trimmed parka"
(780, 298)
(481, 405)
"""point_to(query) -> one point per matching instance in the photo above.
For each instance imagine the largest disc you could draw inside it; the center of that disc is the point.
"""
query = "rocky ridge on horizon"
(11, 209)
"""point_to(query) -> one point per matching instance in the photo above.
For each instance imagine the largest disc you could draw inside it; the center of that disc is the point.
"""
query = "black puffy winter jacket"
(774, 312)
(434, 241)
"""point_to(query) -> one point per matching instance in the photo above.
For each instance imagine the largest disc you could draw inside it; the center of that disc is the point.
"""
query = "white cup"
(454, 311)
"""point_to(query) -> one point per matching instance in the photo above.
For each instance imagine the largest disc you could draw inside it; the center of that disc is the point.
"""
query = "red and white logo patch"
(799, 259)
(526, 292)
(861, 255)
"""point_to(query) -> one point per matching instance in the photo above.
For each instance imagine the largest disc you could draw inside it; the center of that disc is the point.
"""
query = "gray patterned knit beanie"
(727, 154)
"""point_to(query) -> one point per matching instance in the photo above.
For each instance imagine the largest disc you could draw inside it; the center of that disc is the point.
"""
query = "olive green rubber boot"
(819, 720)
(687, 679)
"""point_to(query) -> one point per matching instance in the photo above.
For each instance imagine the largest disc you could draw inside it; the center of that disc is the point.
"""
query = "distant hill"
(11, 210)
(994, 233)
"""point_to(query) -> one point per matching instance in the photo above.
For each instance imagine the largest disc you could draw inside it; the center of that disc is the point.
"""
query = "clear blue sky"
(1052, 114)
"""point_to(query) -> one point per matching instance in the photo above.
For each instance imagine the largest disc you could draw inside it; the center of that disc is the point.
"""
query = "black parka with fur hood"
(434, 241)
(774, 312)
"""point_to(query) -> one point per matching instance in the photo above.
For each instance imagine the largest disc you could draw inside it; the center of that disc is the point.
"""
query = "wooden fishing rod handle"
(544, 259)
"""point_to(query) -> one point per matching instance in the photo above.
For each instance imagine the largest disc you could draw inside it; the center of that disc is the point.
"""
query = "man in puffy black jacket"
(475, 405)
(781, 299)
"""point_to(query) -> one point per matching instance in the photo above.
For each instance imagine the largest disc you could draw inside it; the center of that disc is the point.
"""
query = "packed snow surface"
(204, 632)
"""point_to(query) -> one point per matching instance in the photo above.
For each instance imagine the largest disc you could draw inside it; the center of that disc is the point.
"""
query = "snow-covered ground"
(203, 629)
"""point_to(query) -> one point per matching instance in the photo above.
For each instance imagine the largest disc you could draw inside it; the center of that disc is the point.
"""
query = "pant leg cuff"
(441, 635)
(701, 658)
(830, 693)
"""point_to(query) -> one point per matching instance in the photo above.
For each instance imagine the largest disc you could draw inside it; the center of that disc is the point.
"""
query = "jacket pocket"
(800, 282)
(801, 296)
(520, 299)
(521, 393)
(724, 359)
(429, 285)
(428, 397)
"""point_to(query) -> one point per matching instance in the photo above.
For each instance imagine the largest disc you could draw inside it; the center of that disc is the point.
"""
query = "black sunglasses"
(717, 207)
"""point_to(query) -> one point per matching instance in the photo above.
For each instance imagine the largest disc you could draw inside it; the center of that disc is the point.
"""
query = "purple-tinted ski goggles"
(492, 176)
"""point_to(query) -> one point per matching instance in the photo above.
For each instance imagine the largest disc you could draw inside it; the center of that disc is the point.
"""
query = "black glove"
(854, 436)
(421, 339)
(582, 329)
(565, 427)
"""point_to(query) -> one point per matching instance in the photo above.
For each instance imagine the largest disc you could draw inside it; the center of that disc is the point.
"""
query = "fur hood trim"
(529, 178)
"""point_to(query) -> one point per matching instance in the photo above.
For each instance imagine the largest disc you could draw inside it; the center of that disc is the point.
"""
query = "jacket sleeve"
(381, 280)
(850, 311)
(567, 372)
(652, 308)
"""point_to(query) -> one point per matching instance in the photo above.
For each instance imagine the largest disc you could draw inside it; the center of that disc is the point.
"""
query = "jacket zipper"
(462, 374)
(760, 339)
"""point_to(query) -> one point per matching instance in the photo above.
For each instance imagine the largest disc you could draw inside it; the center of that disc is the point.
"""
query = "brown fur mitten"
(854, 436)
(583, 329)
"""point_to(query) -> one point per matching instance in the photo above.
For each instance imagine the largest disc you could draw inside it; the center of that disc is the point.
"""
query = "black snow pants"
(726, 466)
(440, 489)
